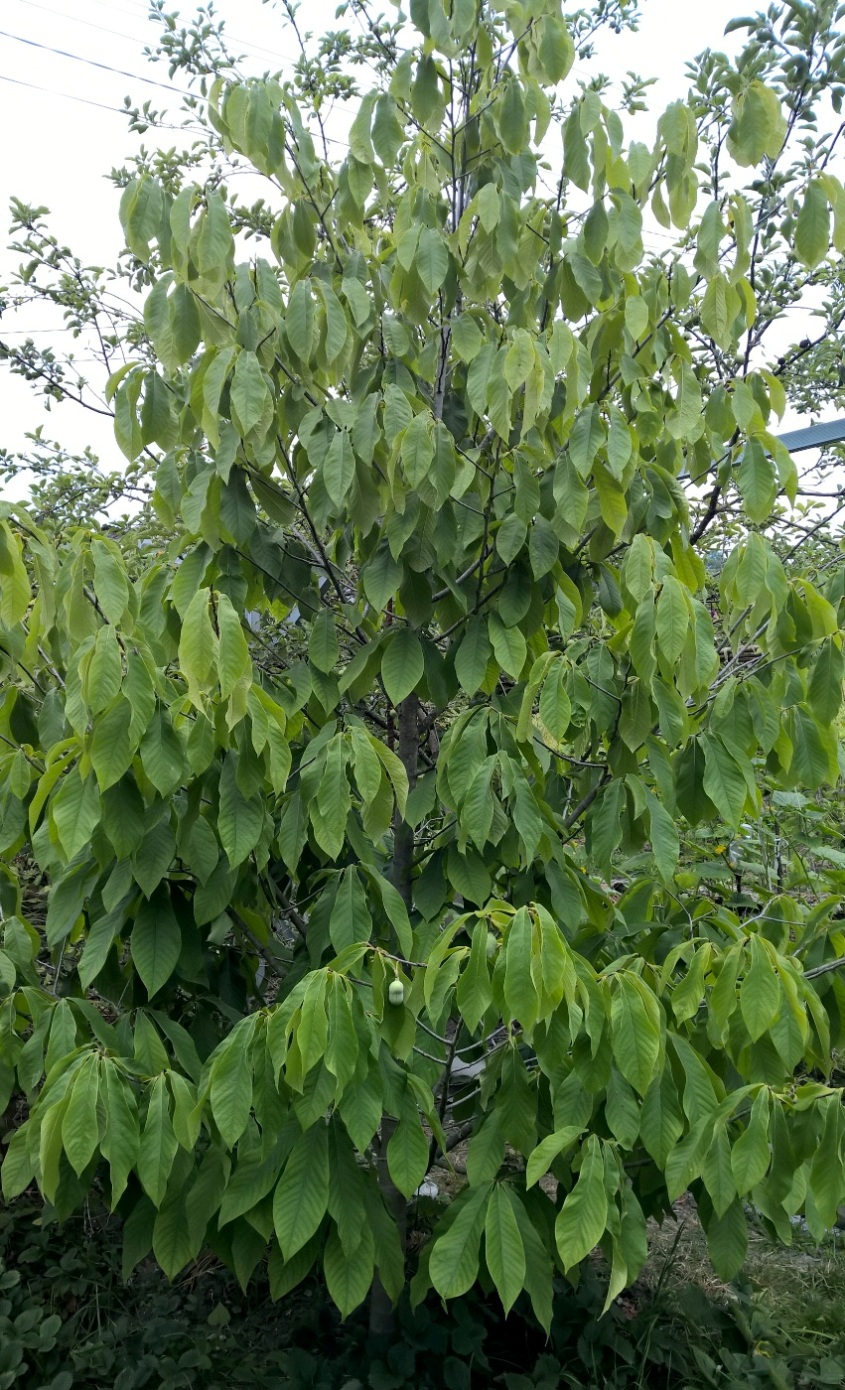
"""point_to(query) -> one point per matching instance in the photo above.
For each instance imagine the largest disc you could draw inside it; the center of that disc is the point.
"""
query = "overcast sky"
(60, 112)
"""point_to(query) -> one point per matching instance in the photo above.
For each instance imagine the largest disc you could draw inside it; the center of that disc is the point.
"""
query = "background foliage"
(395, 774)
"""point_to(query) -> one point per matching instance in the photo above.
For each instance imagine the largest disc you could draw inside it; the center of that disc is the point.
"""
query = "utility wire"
(67, 96)
(86, 101)
(92, 63)
(141, 11)
(74, 19)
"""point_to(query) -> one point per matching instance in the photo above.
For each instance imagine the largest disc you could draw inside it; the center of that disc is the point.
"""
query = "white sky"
(64, 131)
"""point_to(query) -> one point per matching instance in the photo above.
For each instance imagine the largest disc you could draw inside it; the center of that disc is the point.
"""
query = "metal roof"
(814, 436)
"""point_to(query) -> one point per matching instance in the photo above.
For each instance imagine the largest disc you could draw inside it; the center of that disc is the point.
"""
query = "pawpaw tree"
(362, 792)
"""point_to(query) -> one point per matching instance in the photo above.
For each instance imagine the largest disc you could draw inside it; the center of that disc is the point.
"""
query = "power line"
(86, 101)
(67, 96)
(32, 332)
(137, 10)
(92, 63)
(73, 19)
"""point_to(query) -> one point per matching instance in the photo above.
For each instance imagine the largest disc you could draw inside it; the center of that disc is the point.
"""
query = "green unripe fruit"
(396, 992)
(492, 943)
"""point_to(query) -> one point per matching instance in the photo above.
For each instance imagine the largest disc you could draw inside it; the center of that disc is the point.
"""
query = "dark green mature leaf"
(727, 1240)
(162, 754)
(158, 1143)
(349, 1274)
(473, 656)
(231, 1084)
(240, 818)
(302, 1194)
(407, 1150)
(79, 1123)
(825, 690)
(760, 995)
(156, 941)
(635, 1020)
(402, 665)
(582, 1219)
(503, 1247)
(454, 1256)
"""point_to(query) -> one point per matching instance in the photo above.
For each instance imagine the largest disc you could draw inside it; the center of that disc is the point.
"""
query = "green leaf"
(684, 421)
(758, 126)
(407, 1150)
(156, 941)
(751, 1154)
(760, 994)
(75, 811)
(214, 242)
(120, 1143)
(162, 754)
(360, 144)
(512, 123)
(402, 664)
(519, 359)
(198, 644)
(14, 585)
(342, 1044)
(605, 824)
(312, 1033)
(727, 1241)
(230, 1082)
(520, 991)
(543, 547)
(158, 1144)
(111, 586)
(417, 448)
(432, 260)
(335, 326)
(302, 1194)
(173, 1244)
(692, 800)
(555, 706)
(153, 857)
(672, 620)
(635, 1020)
(661, 1120)
(504, 1250)
(723, 779)
(453, 1266)
(474, 992)
(234, 664)
(665, 844)
(349, 1274)
(555, 48)
(825, 688)
(104, 670)
(339, 467)
(757, 481)
(240, 819)
(323, 649)
(80, 1130)
(388, 133)
(473, 656)
(112, 748)
(582, 1219)
(350, 920)
(508, 646)
(717, 1173)
(299, 320)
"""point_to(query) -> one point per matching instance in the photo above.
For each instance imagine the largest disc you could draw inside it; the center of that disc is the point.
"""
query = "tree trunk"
(382, 1319)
